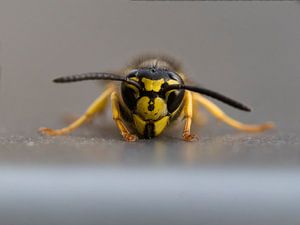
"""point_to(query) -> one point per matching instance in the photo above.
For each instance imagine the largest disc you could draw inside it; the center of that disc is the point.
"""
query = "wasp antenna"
(212, 94)
(89, 76)
(95, 76)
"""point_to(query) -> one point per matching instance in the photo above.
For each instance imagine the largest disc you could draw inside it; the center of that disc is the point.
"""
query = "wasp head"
(150, 100)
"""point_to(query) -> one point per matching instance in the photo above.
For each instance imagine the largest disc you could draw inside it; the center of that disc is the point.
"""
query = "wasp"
(152, 94)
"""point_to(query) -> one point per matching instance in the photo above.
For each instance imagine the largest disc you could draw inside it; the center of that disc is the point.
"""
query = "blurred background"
(247, 50)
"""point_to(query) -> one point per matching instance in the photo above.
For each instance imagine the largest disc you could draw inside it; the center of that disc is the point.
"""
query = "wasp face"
(150, 101)
(151, 108)
(150, 104)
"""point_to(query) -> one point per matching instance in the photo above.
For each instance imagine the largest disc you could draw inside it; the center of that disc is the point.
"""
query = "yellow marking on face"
(158, 105)
(152, 85)
(139, 123)
(170, 82)
(160, 125)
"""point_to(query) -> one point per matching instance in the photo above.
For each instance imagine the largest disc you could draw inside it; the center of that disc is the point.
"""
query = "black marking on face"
(155, 74)
(151, 104)
(149, 131)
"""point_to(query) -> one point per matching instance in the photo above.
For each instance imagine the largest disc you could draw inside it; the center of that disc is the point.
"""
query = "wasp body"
(152, 95)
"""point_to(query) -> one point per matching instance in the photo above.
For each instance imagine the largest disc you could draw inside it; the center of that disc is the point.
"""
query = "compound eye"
(175, 76)
(130, 95)
(174, 99)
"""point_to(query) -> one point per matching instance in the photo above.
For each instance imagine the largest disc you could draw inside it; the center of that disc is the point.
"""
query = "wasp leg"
(199, 118)
(218, 113)
(70, 118)
(117, 118)
(97, 106)
(188, 115)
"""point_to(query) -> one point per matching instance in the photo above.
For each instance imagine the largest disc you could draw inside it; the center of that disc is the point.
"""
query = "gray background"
(246, 50)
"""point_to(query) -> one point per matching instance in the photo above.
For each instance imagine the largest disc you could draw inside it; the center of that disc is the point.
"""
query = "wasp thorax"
(151, 108)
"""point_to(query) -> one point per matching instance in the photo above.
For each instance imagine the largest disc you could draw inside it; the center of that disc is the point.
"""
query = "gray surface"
(247, 50)
(149, 196)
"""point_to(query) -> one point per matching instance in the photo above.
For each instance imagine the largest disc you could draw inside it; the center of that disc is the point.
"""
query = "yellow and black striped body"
(150, 110)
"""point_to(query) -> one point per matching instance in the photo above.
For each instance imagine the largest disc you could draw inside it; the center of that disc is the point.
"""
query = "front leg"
(188, 114)
(115, 101)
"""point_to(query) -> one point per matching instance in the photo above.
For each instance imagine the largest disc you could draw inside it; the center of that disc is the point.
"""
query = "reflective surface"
(262, 150)
(148, 196)
(247, 50)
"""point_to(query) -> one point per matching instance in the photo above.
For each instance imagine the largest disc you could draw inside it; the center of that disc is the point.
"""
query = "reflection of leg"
(117, 118)
(97, 106)
(188, 114)
(218, 113)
